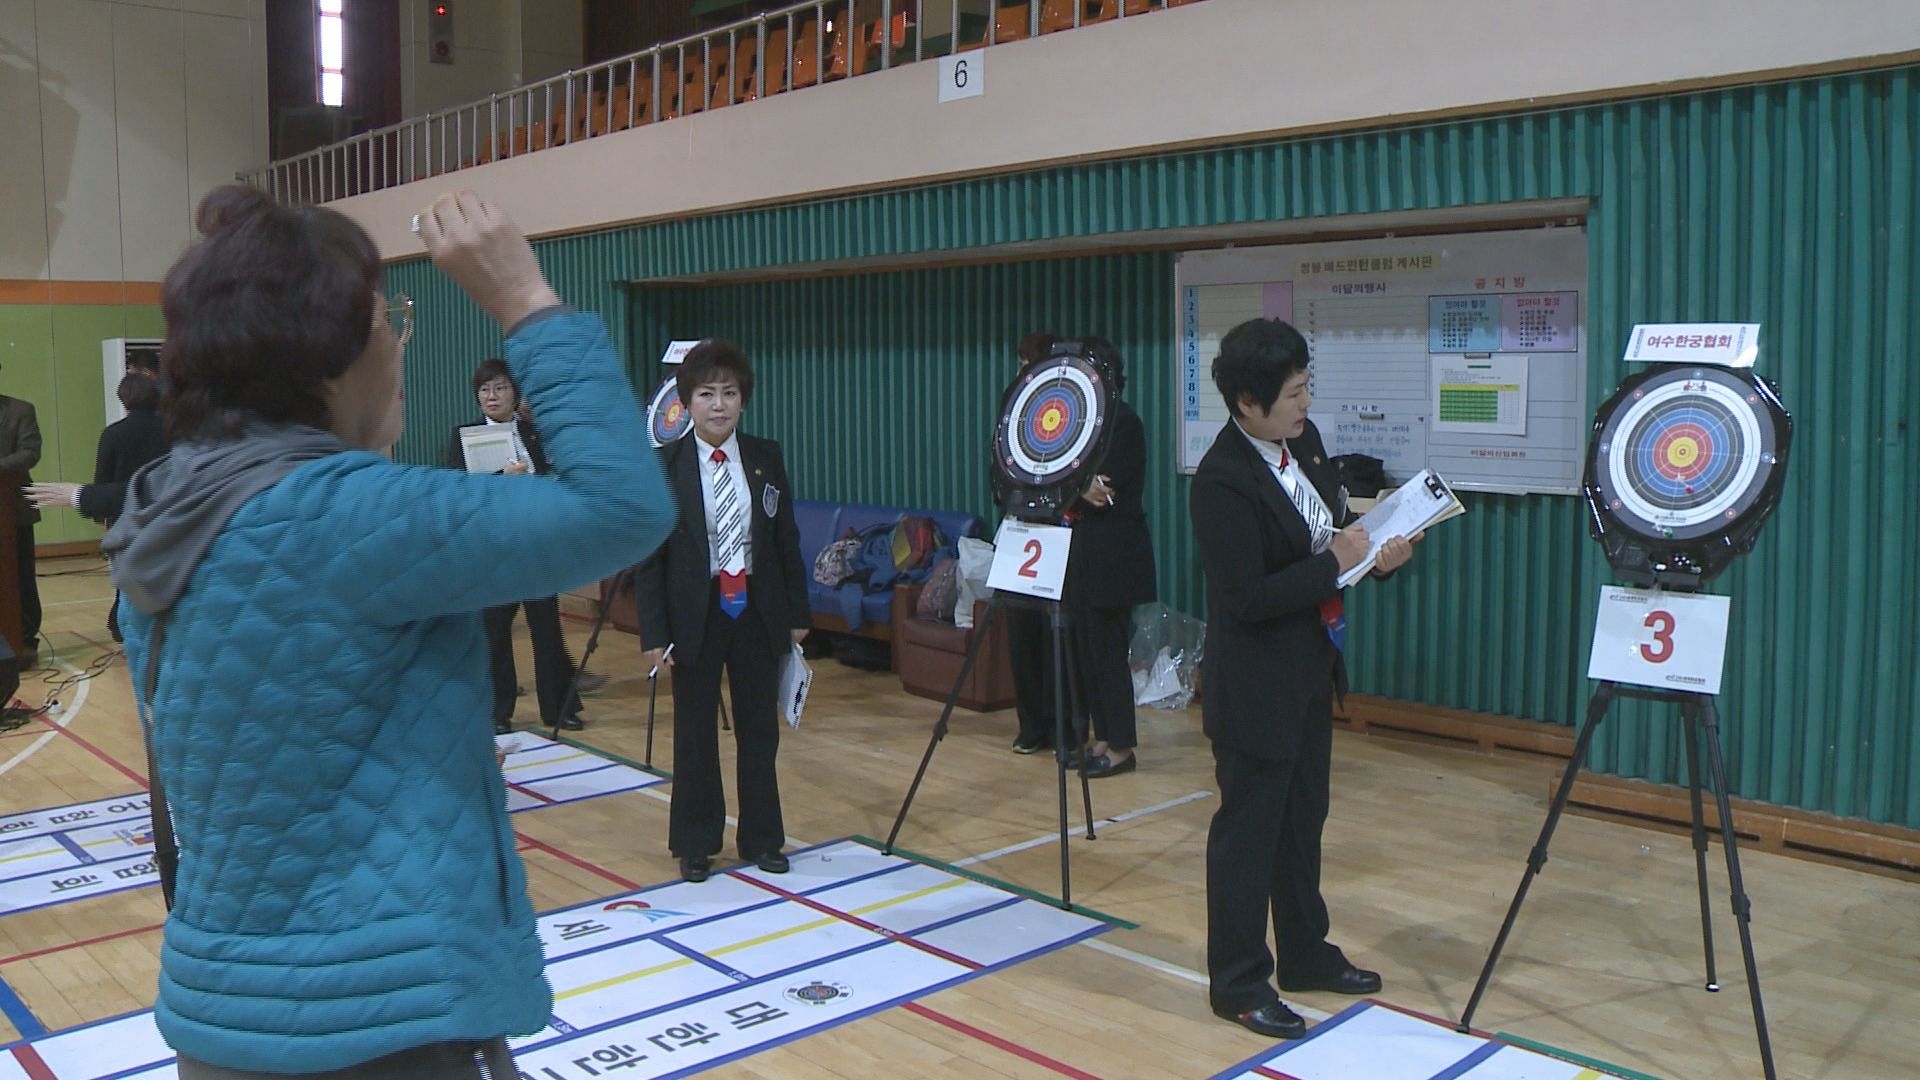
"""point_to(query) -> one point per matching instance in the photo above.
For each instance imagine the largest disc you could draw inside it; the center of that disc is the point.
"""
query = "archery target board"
(1682, 453)
(1053, 417)
(667, 416)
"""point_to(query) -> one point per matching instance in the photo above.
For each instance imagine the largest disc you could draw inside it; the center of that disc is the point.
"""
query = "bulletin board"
(1464, 353)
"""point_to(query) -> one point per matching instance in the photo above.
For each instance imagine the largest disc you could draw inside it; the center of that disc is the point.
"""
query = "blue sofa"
(824, 522)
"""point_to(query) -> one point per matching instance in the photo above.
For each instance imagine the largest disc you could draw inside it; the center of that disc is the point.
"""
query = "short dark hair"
(1256, 359)
(1036, 347)
(710, 361)
(267, 306)
(1107, 355)
(495, 368)
(138, 392)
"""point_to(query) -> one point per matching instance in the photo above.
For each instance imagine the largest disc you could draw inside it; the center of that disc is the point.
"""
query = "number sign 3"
(1671, 641)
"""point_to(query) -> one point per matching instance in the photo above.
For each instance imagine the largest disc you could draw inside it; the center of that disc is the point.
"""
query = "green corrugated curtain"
(1791, 204)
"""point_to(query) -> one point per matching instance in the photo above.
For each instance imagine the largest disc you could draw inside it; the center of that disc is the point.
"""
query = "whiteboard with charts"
(1465, 354)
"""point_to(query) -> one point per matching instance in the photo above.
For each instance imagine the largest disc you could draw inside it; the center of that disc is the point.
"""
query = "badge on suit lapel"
(770, 499)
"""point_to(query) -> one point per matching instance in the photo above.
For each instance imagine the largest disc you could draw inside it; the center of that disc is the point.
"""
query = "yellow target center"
(1051, 419)
(1683, 452)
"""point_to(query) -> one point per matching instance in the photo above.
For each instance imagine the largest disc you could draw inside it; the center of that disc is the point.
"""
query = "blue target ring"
(667, 416)
(1054, 417)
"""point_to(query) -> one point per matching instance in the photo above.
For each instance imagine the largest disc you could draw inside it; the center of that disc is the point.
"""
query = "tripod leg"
(1080, 733)
(1537, 858)
(1742, 910)
(653, 693)
(1061, 701)
(940, 725)
(1690, 715)
(593, 642)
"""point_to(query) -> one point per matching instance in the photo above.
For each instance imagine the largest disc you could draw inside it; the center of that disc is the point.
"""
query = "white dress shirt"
(732, 449)
(1306, 498)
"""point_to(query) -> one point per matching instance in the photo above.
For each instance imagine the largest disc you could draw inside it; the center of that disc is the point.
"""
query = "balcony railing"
(777, 52)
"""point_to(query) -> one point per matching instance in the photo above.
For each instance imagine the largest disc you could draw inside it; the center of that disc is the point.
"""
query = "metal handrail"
(452, 138)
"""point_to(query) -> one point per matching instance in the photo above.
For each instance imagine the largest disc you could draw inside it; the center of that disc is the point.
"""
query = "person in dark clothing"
(1029, 644)
(19, 452)
(125, 446)
(1110, 570)
(499, 398)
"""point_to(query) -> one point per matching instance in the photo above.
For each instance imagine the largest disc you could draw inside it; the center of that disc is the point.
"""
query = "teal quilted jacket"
(348, 885)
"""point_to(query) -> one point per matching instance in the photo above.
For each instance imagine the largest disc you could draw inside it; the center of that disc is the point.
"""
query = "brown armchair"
(928, 655)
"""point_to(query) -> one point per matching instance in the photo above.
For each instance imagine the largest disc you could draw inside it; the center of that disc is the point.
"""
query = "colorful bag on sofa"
(915, 539)
(832, 565)
(940, 592)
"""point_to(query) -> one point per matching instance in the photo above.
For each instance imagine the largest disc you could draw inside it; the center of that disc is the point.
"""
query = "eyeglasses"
(400, 317)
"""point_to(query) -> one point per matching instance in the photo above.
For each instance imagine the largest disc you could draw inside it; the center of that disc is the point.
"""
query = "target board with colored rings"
(667, 416)
(1685, 452)
(1052, 419)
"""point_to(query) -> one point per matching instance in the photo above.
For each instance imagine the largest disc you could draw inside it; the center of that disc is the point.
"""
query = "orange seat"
(1056, 15)
(746, 60)
(806, 62)
(776, 62)
(1012, 23)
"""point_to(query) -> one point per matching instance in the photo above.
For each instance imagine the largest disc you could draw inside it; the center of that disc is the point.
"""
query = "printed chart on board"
(1465, 353)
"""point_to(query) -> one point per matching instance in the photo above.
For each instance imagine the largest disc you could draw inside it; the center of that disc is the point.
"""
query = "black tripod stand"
(621, 580)
(1063, 702)
(1698, 711)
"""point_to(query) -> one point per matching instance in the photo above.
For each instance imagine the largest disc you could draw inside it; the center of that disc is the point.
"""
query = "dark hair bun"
(227, 206)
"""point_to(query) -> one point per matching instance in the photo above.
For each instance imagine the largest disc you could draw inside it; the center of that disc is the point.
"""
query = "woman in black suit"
(1268, 515)
(1110, 570)
(727, 590)
(553, 670)
(125, 445)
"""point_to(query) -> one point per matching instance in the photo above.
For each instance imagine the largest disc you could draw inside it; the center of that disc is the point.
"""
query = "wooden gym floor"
(1423, 851)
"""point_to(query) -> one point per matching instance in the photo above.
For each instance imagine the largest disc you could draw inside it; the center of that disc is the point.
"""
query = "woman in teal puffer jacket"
(348, 899)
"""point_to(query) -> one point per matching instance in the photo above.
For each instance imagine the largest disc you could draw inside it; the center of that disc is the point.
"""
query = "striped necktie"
(730, 530)
(1321, 527)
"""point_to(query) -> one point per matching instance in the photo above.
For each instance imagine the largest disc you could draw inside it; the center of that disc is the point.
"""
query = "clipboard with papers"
(1422, 502)
(488, 448)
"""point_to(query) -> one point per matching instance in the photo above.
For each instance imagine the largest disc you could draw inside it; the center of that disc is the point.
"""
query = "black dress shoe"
(1348, 980)
(1102, 765)
(773, 863)
(695, 868)
(1024, 745)
(502, 727)
(572, 723)
(1274, 1020)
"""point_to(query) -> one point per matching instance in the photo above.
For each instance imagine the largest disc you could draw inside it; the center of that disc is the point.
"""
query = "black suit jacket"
(457, 458)
(125, 446)
(1110, 564)
(673, 586)
(1268, 654)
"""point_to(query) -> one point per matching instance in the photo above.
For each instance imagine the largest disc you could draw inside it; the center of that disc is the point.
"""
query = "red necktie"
(730, 528)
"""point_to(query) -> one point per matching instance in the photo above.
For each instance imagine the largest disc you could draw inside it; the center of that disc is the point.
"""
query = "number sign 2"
(1030, 559)
(1666, 640)
(963, 76)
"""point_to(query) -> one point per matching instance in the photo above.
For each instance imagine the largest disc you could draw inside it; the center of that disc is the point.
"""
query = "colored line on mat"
(96, 752)
(1602, 1067)
(997, 1042)
(17, 1013)
(575, 860)
(31, 1063)
(51, 949)
(1004, 886)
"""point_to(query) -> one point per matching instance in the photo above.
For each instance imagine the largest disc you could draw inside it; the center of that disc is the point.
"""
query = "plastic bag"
(1165, 656)
(976, 560)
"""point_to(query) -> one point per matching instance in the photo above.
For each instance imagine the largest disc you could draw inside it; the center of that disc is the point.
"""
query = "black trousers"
(1030, 648)
(1099, 639)
(441, 1061)
(697, 818)
(552, 667)
(29, 587)
(1263, 861)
